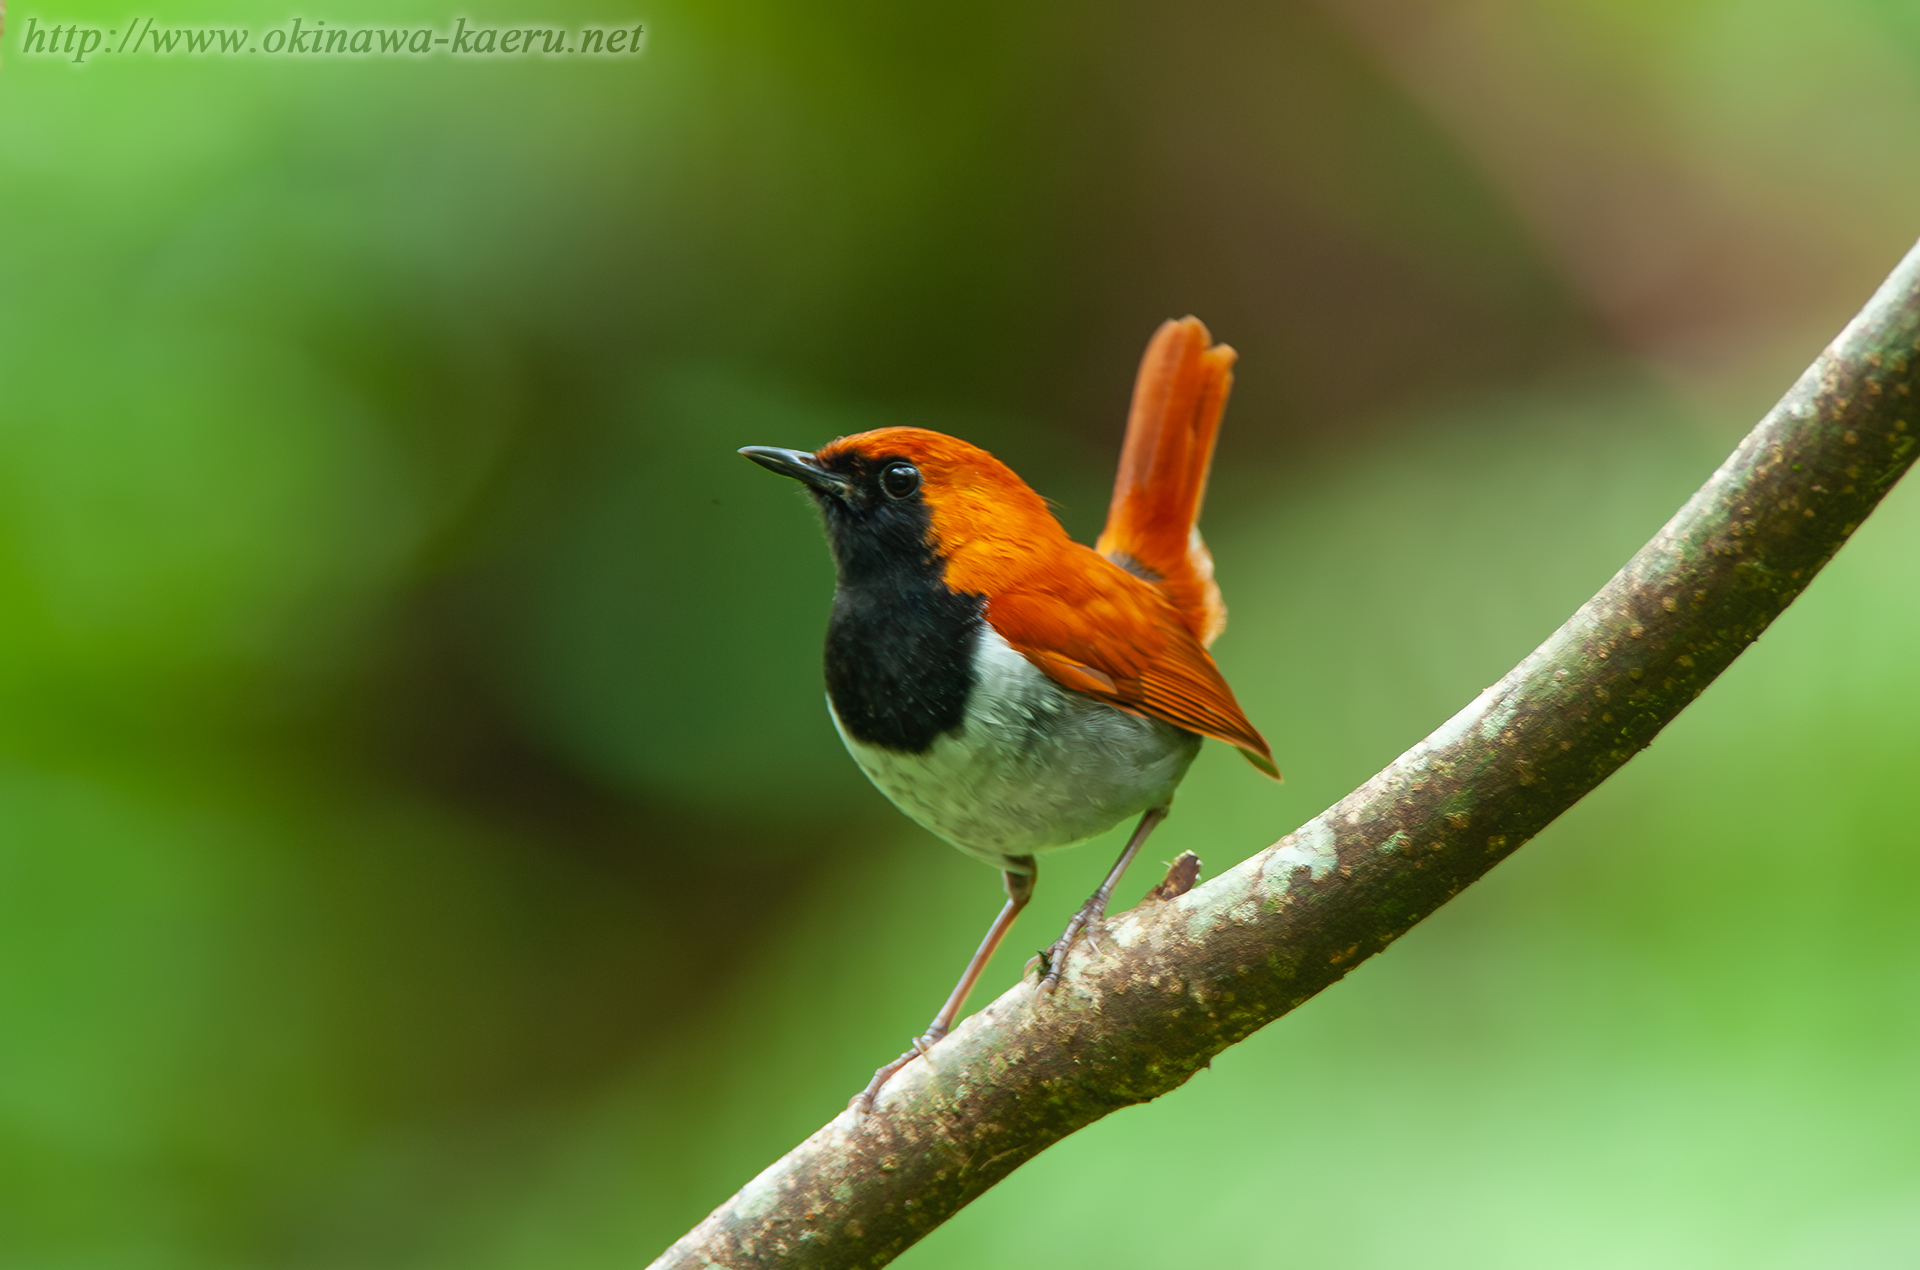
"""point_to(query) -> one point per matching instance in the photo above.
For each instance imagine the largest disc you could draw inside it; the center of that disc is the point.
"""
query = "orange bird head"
(900, 492)
(1117, 633)
(974, 648)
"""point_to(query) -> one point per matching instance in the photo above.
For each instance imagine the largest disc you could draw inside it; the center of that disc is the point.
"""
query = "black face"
(876, 517)
(899, 657)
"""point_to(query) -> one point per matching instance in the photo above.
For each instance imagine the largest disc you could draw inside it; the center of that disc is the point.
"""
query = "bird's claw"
(1056, 962)
(861, 1104)
(1056, 965)
(1054, 959)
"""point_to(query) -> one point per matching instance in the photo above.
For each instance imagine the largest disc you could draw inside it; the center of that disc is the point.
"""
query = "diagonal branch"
(1178, 980)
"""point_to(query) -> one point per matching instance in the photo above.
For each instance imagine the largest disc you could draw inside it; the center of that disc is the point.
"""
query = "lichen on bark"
(1177, 980)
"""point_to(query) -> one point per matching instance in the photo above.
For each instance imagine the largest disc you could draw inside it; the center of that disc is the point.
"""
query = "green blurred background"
(422, 844)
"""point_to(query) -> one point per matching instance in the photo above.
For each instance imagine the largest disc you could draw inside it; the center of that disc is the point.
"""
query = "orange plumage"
(1127, 624)
(1153, 521)
(1008, 688)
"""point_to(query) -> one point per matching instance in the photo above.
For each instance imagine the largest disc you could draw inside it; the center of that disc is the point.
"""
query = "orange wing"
(1097, 629)
(1152, 523)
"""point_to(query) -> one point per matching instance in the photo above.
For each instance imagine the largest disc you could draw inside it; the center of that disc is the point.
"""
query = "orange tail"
(1152, 524)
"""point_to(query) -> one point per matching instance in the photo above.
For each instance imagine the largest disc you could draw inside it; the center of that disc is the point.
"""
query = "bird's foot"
(1054, 959)
(929, 1038)
(862, 1102)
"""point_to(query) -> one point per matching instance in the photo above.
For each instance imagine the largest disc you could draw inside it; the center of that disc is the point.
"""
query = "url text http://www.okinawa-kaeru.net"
(82, 42)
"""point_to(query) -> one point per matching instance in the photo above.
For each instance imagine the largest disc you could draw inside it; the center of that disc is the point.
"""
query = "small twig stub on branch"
(1177, 981)
(1182, 874)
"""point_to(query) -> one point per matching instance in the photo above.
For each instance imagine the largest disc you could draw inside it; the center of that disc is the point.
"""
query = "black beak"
(798, 464)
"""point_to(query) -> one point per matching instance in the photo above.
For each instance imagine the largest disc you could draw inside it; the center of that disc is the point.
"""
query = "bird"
(1012, 690)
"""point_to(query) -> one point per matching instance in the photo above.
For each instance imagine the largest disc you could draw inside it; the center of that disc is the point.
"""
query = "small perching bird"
(1011, 690)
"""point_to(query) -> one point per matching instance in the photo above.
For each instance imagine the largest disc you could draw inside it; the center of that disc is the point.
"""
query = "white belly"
(1035, 767)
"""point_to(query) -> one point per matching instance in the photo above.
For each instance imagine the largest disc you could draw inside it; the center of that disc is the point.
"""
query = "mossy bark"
(1175, 981)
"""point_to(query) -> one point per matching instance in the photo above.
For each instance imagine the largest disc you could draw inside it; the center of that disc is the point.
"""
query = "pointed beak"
(798, 464)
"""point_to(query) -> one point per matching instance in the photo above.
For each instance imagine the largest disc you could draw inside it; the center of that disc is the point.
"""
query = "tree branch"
(1178, 980)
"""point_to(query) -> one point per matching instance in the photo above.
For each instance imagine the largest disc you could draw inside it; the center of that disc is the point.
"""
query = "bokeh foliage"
(421, 839)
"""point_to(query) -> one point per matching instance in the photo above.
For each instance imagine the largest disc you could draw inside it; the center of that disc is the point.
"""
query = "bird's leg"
(1096, 906)
(1019, 891)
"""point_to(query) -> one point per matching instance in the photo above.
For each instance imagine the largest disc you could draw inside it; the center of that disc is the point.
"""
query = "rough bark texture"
(1178, 980)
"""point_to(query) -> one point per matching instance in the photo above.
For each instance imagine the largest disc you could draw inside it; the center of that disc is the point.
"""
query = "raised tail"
(1153, 522)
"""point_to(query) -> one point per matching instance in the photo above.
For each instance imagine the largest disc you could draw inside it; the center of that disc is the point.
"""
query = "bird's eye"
(900, 480)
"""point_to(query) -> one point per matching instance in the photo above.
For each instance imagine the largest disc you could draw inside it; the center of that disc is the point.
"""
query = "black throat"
(900, 643)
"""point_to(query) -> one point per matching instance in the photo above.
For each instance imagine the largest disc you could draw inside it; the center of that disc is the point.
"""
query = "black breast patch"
(900, 662)
(900, 644)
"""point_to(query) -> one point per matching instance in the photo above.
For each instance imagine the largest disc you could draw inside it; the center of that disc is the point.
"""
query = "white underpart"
(1035, 767)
